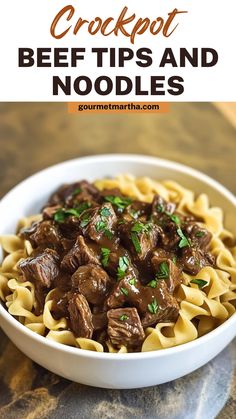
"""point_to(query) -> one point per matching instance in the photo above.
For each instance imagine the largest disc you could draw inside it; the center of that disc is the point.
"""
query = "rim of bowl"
(155, 161)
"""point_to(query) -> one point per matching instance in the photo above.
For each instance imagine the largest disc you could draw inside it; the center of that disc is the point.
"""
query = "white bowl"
(104, 369)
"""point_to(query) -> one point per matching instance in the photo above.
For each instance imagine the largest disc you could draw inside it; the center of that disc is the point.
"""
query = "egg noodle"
(201, 310)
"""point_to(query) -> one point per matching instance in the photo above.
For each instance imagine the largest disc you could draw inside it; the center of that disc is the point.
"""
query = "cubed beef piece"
(49, 212)
(169, 238)
(124, 327)
(161, 255)
(26, 233)
(160, 206)
(126, 290)
(81, 253)
(199, 236)
(93, 282)
(140, 238)
(100, 321)
(63, 281)
(70, 228)
(44, 235)
(193, 260)
(42, 269)
(167, 268)
(120, 256)
(67, 194)
(80, 316)
(60, 305)
(99, 222)
(137, 210)
(159, 305)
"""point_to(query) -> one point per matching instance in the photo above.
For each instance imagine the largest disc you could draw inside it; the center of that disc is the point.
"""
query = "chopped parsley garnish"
(120, 202)
(200, 282)
(132, 281)
(153, 307)
(85, 220)
(77, 191)
(174, 218)
(135, 241)
(141, 227)
(82, 207)
(61, 214)
(163, 272)
(200, 234)
(160, 208)
(105, 212)
(108, 233)
(124, 291)
(101, 226)
(134, 214)
(123, 266)
(105, 256)
(124, 317)
(174, 260)
(184, 242)
(152, 284)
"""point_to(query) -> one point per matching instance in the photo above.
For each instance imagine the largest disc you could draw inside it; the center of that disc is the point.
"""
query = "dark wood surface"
(34, 136)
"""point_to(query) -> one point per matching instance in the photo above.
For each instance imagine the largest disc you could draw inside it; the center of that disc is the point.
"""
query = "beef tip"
(159, 305)
(63, 281)
(93, 282)
(161, 255)
(99, 222)
(67, 244)
(49, 212)
(169, 238)
(40, 295)
(140, 238)
(137, 210)
(44, 235)
(60, 305)
(127, 290)
(124, 327)
(80, 254)
(26, 233)
(170, 271)
(199, 236)
(80, 316)
(67, 194)
(70, 228)
(193, 260)
(160, 206)
(118, 257)
(42, 269)
(100, 321)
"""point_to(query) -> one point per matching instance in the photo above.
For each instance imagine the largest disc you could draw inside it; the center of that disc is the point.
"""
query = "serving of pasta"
(121, 265)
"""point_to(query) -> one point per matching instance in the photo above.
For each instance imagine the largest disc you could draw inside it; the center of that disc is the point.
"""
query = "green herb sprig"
(120, 202)
(163, 271)
(153, 307)
(62, 213)
(105, 253)
(124, 317)
(122, 268)
(200, 282)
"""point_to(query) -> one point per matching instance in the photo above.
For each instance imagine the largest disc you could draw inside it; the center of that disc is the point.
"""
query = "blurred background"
(36, 135)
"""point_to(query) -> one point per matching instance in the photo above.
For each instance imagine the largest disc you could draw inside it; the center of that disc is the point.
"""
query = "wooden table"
(33, 136)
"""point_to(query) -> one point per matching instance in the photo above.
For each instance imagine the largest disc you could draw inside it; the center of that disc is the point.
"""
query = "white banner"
(115, 50)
